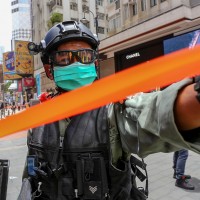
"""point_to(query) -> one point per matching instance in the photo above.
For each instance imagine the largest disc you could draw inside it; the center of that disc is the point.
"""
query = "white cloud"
(5, 24)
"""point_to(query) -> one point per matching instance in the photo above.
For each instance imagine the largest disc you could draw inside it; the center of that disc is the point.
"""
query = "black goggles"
(63, 58)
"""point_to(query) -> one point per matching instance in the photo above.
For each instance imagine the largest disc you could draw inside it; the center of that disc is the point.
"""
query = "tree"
(7, 85)
(55, 18)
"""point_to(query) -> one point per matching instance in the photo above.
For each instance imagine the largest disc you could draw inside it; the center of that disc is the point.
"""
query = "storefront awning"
(13, 86)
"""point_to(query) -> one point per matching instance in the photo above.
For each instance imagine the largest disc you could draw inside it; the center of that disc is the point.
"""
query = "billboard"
(138, 54)
(23, 60)
(9, 70)
(28, 82)
(9, 63)
(11, 76)
(187, 40)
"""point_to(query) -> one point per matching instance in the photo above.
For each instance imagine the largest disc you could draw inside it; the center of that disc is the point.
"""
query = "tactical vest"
(78, 164)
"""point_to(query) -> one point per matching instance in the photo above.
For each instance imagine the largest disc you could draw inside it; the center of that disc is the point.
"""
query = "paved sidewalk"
(161, 183)
(13, 148)
(159, 166)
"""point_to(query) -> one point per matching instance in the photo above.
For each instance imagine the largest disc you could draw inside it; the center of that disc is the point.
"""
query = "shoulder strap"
(135, 165)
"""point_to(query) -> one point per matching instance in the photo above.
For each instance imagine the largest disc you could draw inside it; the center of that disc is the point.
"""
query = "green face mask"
(74, 76)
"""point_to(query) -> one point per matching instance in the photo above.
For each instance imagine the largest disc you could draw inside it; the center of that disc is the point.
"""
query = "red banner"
(19, 85)
(28, 82)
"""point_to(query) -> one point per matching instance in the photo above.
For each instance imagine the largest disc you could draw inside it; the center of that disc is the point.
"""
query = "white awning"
(13, 86)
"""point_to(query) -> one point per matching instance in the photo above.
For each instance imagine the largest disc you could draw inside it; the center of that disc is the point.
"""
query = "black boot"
(186, 176)
(183, 183)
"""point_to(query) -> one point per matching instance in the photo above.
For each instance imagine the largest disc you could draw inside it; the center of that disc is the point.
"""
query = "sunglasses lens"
(86, 56)
(64, 58)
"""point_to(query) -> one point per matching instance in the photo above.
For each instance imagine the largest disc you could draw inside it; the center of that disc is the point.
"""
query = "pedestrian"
(87, 156)
(13, 108)
(24, 104)
(2, 110)
(179, 162)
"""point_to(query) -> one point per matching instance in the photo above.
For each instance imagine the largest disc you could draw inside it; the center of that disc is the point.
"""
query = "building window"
(59, 2)
(101, 15)
(126, 11)
(134, 9)
(100, 30)
(162, 1)
(15, 10)
(143, 5)
(85, 9)
(14, 2)
(99, 2)
(153, 3)
(114, 23)
(73, 6)
(117, 4)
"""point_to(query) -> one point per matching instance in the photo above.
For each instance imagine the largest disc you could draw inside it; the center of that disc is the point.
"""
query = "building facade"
(43, 18)
(2, 50)
(133, 29)
(137, 30)
(21, 20)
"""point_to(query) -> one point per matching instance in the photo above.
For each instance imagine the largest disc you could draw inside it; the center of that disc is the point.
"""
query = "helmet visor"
(64, 58)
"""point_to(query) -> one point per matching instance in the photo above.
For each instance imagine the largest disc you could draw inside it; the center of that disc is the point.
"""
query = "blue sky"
(5, 24)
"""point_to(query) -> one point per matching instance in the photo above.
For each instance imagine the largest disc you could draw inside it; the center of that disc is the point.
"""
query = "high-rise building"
(21, 20)
(1, 54)
(21, 34)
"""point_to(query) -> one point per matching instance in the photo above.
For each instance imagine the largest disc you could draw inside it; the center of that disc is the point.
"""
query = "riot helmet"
(62, 32)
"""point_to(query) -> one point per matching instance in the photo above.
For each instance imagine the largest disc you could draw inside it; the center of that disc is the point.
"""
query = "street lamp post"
(84, 20)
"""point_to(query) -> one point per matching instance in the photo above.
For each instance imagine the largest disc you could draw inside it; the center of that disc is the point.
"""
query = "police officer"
(87, 156)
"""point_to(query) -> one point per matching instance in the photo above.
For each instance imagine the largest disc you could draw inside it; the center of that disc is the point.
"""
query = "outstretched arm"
(187, 109)
(162, 121)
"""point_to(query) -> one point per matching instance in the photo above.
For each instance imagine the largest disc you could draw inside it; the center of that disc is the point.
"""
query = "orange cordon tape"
(144, 77)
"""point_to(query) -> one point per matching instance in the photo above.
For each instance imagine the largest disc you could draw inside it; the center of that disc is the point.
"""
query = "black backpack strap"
(104, 177)
(135, 165)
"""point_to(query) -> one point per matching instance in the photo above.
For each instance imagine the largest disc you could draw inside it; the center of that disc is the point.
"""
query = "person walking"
(13, 108)
(179, 162)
